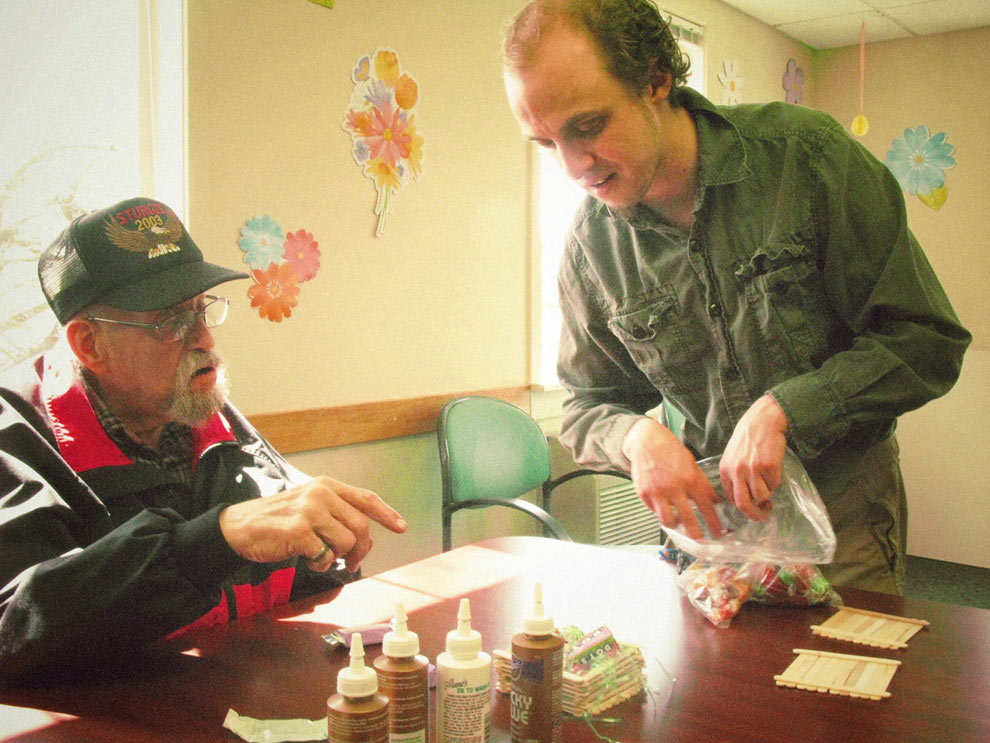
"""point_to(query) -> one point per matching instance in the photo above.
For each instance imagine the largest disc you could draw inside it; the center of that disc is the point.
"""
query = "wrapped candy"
(718, 591)
(794, 585)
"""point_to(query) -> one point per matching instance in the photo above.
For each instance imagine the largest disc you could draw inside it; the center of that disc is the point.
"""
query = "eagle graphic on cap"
(154, 239)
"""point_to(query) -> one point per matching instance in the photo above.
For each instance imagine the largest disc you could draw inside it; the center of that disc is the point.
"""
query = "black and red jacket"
(100, 555)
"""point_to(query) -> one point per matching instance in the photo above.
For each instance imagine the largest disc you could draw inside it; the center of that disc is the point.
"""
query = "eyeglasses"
(176, 327)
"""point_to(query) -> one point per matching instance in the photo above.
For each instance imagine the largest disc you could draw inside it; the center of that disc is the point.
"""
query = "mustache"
(196, 360)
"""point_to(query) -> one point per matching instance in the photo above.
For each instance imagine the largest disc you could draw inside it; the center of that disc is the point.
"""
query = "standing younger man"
(752, 265)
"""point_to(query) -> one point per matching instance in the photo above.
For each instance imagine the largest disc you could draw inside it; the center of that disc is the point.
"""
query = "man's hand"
(306, 519)
(668, 480)
(752, 463)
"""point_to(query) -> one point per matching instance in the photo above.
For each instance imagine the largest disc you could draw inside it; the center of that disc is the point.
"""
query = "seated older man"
(135, 501)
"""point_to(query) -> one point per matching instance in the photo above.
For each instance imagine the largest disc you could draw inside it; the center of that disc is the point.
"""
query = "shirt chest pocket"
(783, 289)
(654, 333)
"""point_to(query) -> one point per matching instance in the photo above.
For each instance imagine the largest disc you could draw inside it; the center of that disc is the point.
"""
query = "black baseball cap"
(135, 255)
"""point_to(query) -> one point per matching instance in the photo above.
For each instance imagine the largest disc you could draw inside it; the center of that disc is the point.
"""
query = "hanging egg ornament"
(860, 125)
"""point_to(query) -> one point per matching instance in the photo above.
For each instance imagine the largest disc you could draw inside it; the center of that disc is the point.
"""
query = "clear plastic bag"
(797, 531)
(773, 561)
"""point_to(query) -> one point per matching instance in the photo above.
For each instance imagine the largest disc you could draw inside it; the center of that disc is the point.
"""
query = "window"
(93, 113)
(558, 197)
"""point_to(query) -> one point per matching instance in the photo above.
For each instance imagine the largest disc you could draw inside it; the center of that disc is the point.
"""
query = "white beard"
(195, 408)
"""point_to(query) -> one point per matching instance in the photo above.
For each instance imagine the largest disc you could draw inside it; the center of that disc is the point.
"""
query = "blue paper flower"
(918, 160)
(262, 241)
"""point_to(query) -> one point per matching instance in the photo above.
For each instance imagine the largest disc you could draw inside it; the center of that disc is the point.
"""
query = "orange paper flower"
(275, 292)
(406, 92)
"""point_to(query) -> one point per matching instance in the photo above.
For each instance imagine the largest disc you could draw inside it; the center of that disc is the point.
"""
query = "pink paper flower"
(388, 138)
(302, 253)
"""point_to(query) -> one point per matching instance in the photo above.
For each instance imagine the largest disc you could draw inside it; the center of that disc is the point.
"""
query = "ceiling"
(824, 24)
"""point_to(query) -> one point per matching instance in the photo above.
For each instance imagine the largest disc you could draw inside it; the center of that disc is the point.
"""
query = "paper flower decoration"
(279, 263)
(793, 82)
(732, 81)
(262, 242)
(379, 119)
(302, 254)
(275, 292)
(919, 162)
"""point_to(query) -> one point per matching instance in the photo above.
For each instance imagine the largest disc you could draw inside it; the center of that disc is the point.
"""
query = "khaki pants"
(868, 507)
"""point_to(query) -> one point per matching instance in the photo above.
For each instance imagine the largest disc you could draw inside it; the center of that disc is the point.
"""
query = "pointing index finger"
(374, 508)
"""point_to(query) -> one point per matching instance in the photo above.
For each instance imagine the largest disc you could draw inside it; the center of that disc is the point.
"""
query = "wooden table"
(278, 666)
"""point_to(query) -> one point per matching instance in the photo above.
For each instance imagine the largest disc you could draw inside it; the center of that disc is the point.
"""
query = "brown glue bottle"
(537, 701)
(357, 713)
(404, 677)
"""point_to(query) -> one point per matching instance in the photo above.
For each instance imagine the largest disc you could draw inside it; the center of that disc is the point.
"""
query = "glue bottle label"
(537, 695)
(464, 712)
(367, 727)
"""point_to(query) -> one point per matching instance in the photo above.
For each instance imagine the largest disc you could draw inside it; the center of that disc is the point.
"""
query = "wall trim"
(320, 428)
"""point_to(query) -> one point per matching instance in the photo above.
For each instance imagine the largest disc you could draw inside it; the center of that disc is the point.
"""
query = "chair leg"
(547, 492)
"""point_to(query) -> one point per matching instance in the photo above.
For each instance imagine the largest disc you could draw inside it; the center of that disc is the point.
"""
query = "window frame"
(47, 181)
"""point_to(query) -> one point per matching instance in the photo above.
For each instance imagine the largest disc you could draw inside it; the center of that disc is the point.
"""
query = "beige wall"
(439, 303)
(934, 80)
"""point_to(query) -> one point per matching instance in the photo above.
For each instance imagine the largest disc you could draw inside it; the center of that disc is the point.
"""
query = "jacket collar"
(81, 440)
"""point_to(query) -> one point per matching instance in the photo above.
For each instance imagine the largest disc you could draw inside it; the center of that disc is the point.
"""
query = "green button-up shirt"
(799, 277)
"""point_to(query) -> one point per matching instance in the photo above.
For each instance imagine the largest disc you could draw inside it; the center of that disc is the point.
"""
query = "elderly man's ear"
(87, 344)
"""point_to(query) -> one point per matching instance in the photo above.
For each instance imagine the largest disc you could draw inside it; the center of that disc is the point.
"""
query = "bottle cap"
(400, 642)
(537, 623)
(357, 680)
(464, 643)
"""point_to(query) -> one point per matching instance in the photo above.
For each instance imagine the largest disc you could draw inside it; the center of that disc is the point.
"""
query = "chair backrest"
(489, 448)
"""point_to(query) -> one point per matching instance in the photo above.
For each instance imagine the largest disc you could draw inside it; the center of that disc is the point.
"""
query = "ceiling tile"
(885, 4)
(825, 24)
(942, 16)
(776, 12)
(843, 30)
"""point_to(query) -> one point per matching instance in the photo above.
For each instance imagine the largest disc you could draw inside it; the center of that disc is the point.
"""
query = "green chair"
(491, 454)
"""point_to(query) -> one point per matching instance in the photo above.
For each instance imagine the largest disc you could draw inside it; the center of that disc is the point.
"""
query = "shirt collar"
(721, 154)
(174, 444)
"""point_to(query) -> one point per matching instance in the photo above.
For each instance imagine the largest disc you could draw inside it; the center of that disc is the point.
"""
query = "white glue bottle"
(404, 677)
(537, 694)
(464, 680)
(357, 713)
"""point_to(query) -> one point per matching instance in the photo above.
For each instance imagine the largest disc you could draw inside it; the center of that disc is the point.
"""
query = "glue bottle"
(357, 713)
(464, 679)
(537, 678)
(404, 677)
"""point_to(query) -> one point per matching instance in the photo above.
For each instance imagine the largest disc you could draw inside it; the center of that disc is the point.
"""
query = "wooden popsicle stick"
(837, 673)
(870, 628)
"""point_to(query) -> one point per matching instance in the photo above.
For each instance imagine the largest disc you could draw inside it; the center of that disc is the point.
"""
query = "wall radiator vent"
(622, 516)
(600, 509)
